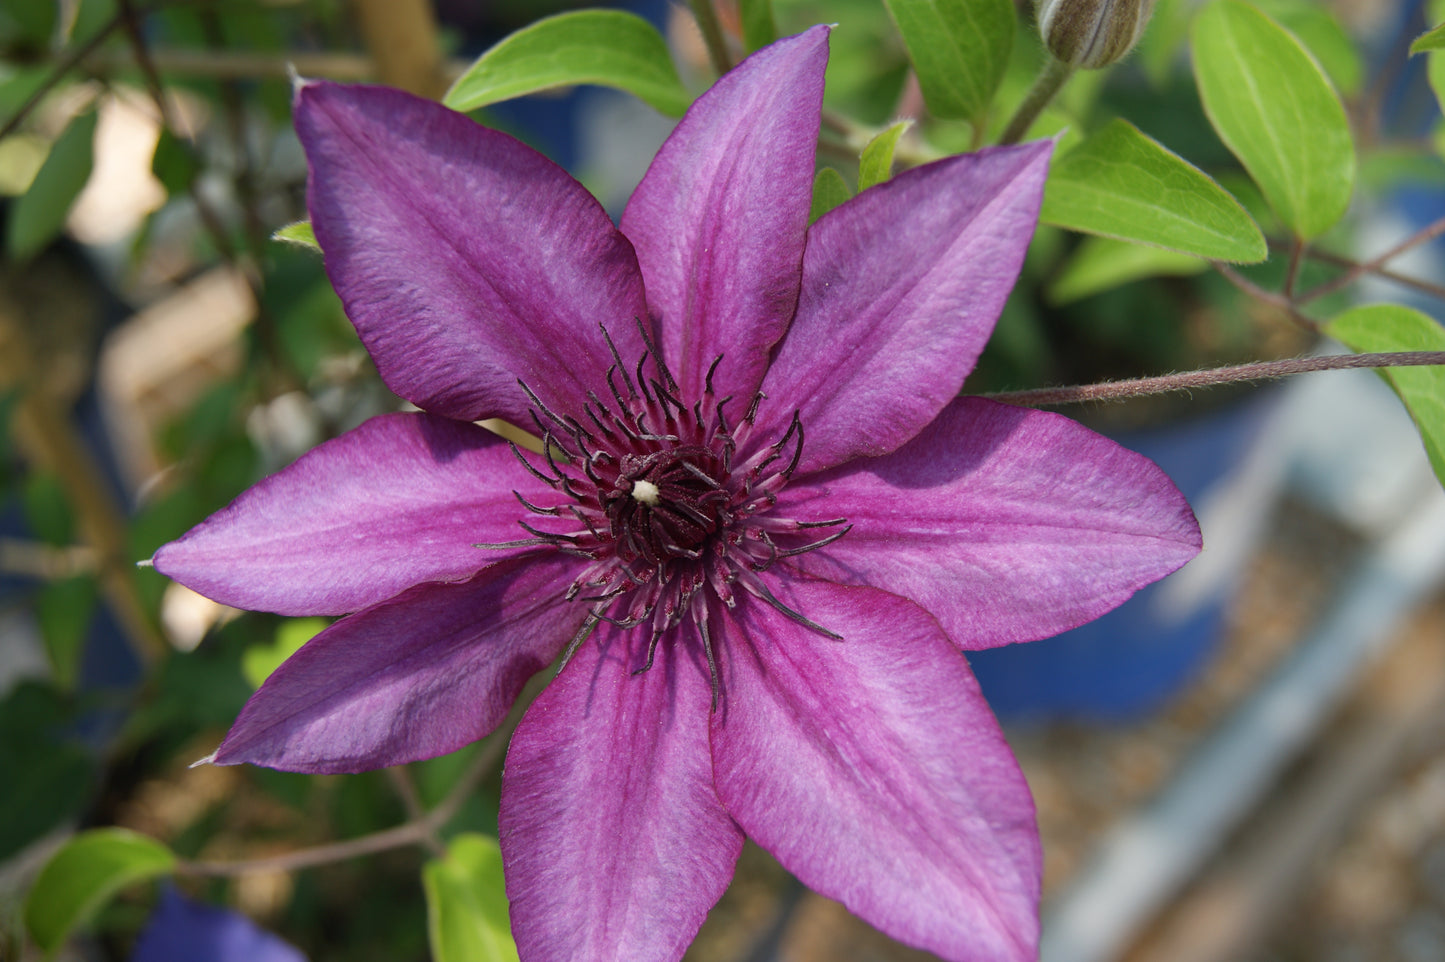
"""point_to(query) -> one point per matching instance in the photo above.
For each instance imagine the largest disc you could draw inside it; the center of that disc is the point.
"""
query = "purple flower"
(766, 530)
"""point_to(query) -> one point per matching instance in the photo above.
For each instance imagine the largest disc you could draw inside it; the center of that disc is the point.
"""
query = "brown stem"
(401, 36)
(712, 35)
(1404, 280)
(46, 437)
(1423, 236)
(420, 830)
(267, 331)
(1280, 301)
(1296, 253)
(1189, 380)
(405, 788)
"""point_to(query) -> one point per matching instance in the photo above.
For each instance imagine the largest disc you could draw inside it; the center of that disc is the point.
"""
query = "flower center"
(657, 501)
(667, 504)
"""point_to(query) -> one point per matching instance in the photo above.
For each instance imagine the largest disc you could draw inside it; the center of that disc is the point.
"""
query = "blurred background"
(1242, 763)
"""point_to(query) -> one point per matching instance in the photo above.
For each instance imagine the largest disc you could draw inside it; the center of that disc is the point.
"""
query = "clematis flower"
(762, 533)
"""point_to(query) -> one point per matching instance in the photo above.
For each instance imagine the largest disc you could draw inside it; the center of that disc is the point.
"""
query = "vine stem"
(1049, 83)
(61, 69)
(1423, 236)
(1257, 371)
(421, 829)
(1286, 304)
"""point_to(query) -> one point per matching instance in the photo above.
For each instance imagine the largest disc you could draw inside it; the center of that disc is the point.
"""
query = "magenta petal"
(901, 288)
(719, 220)
(465, 259)
(1007, 524)
(875, 772)
(423, 674)
(402, 499)
(614, 841)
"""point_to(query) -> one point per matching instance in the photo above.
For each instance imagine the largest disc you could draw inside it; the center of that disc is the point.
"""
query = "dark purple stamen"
(663, 509)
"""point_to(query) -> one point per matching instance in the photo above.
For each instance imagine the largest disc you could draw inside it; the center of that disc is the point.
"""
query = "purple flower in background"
(182, 930)
(765, 531)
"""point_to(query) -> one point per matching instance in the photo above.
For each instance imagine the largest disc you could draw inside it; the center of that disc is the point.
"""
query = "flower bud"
(1092, 33)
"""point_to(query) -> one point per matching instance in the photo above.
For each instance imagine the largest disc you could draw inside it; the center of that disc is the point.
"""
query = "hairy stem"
(1049, 83)
(1189, 380)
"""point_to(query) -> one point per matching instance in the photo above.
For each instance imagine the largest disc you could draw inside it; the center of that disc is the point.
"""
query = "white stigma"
(645, 491)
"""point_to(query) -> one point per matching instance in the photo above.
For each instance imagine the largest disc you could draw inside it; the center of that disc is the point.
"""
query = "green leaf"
(258, 661)
(1119, 183)
(1274, 108)
(1315, 26)
(47, 779)
(1435, 72)
(959, 50)
(174, 164)
(759, 29)
(606, 47)
(1391, 327)
(299, 233)
(85, 874)
(876, 164)
(39, 215)
(1430, 40)
(467, 903)
(64, 609)
(47, 509)
(1102, 263)
(1159, 48)
(829, 190)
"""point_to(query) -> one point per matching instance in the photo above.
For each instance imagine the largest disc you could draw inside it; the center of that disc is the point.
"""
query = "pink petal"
(423, 674)
(719, 220)
(400, 500)
(875, 772)
(614, 841)
(465, 259)
(901, 288)
(1007, 524)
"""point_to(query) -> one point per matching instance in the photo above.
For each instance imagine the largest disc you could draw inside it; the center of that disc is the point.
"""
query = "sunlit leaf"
(85, 874)
(829, 190)
(1314, 25)
(1430, 40)
(1119, 183)
(959, 50)
(467, 903)
(259, 661)
(606, 47)
(1273, 106)
(299, 233)
(39, 214)
(876, 163)
(1392, 327)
